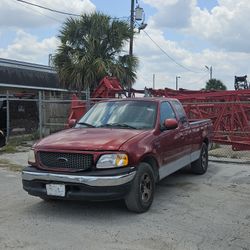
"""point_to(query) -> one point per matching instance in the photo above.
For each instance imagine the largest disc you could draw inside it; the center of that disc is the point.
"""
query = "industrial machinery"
(240, 82)
(229, 110)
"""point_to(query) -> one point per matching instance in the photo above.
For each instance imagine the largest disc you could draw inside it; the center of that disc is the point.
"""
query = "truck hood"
(92, 139)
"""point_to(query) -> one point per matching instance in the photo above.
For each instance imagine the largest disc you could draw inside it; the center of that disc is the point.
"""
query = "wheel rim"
(146, 187)
(204, 159)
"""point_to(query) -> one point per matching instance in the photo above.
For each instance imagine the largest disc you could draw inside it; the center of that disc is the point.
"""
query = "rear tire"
(141, 194)
(200, 166)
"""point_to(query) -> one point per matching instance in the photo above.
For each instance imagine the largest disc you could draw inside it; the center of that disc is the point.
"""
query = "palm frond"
(90, 48)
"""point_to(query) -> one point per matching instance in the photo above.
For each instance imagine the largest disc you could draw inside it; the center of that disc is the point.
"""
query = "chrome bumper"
(95, 181)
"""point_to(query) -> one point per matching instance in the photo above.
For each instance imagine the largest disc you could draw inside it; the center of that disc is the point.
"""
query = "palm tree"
(91, 47)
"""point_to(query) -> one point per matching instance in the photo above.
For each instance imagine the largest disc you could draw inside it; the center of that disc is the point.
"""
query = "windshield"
(121, 114)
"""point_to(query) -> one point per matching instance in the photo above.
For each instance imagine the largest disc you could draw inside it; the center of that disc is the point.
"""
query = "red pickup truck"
(118, 150)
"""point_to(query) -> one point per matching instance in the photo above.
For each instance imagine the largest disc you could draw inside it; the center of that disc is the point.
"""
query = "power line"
(60, 12)
(143, 78)
(49, 9)
(170, 57)
(78, 15)
(25, 6)
(200, 79)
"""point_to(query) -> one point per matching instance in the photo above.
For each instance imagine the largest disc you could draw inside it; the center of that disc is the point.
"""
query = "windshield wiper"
(86, 124)
(120, 125)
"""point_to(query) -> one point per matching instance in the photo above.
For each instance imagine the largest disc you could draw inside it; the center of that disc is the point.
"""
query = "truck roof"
(153, 99)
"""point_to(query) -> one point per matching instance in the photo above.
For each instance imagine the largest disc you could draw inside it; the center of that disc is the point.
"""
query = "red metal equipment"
(229, 110)
(109, 87)
(230, 113)
(77, 109)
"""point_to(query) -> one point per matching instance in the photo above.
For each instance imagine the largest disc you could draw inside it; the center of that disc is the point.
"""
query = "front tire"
(200, 166)
(141, 194)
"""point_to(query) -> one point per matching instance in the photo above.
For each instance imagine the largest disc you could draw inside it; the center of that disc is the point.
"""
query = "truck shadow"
(172, 187)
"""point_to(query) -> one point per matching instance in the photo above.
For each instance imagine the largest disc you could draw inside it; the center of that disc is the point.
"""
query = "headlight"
(112, 161)
(31, 157)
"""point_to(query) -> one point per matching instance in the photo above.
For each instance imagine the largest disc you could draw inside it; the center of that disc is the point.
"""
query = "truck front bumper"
(84, 186)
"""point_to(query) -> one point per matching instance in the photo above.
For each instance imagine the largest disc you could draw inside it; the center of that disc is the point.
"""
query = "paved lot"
(189, 213)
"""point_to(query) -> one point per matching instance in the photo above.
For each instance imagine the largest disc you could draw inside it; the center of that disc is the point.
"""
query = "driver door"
(171, 143)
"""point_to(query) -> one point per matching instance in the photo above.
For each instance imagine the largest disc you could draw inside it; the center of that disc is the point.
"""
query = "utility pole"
(210, 69)
(153, 81)
(176, 82)
(50, 60)
(211, 73)
(132, 22)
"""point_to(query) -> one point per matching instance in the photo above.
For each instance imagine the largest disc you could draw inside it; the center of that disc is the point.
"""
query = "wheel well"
(153, 163)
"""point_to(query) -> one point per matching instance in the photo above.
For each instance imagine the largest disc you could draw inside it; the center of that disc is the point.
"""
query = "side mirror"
(72, 123)
(170, 124)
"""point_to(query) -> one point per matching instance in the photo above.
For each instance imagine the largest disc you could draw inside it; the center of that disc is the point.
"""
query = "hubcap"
(146, 187)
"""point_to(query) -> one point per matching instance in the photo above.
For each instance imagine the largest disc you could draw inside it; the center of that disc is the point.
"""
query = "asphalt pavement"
(189, 213)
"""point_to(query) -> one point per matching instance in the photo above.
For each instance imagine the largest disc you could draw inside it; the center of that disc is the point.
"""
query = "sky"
(182, 37)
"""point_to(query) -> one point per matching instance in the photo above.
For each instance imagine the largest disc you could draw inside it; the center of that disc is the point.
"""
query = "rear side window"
(180, 111)
(166, 112)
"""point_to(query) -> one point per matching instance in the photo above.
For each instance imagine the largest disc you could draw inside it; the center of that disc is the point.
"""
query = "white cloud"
(153, 61)
(226, 26)
(20, 21)
(20, 15)
(172, 13)
(27, 47)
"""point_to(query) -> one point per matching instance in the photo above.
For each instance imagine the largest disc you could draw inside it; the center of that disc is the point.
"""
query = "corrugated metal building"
(24, 80)
(26, 76)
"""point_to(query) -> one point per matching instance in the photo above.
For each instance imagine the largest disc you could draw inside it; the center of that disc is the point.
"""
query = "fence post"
(44, 118)
(7, 116)
(40, 113)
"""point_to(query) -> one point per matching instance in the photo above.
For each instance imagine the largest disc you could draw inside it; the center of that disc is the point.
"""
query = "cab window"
(180, 111)
(166, 112)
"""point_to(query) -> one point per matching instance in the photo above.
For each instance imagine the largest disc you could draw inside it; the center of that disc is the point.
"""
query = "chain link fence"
(226, 152)
(42, 114)
(38, 114)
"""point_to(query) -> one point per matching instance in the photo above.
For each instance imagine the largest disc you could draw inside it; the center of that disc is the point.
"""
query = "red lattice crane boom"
(229, 110)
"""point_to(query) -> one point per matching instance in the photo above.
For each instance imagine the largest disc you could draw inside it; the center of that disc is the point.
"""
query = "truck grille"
(66, 160)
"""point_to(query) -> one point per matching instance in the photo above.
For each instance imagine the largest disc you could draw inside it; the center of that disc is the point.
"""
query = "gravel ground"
(189, 213)
(20, 158)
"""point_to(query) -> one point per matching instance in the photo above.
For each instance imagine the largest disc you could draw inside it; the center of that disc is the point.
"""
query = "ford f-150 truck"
(118, 150)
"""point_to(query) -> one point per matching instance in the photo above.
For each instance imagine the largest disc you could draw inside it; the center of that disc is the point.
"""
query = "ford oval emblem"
(62, 159)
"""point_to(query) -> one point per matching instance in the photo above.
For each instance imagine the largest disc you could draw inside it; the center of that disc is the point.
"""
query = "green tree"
(214, 84)
(92, 47)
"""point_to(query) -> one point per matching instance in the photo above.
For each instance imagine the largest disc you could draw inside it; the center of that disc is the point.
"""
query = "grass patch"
(215, 146)
(218, 156)
(22, 140)
(7, 164)
(234, 156)
(19, 143)
(10, 149)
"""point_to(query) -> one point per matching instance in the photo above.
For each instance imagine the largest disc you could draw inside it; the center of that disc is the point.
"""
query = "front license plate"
(55, 189)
